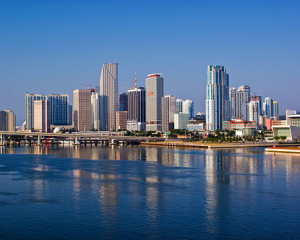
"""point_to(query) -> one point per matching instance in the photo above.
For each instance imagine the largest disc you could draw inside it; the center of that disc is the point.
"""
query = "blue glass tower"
(60, 109)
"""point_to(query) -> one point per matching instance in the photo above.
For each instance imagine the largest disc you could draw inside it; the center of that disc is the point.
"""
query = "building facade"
(121, 120)
(109, 102)
(242, 98)
(29, 108)
(42, 116)
(179, 105)
(95, 111)
(59, 109)
(168, 111)
(7, 121)
(82, 109)
(123, 102)
(232, 101)
(154, 94)
(188, 108)
(181, 120)
(217, 97)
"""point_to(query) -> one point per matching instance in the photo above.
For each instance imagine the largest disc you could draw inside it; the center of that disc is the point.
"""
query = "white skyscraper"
(108, 96)
(232, 100)
(253, 111)
(154, 94)
(242, 97)
(217, 97)
(168, 111)
(188, 108)
(95, 110)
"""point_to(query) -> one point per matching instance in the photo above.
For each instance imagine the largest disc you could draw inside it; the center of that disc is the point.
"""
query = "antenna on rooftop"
(134, 82)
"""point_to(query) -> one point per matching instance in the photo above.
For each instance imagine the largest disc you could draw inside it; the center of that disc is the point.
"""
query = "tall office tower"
(42, 116)
(123, 99)
(108, 96)
(257, 99)
(232, 100)
(168, 111)
(29, 105)
(188, 108)
(268, 107)
(121, 120)
(10, 121)
(136, 119)
(59, 108)
(275, 109)
(154, 94)
(253, 111)
(179, 105)
(242, 97)
(82, 109)
(95, 110)
(217, 97)
(3, 121)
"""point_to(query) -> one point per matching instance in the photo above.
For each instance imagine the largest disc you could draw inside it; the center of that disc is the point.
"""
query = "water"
(148, 193)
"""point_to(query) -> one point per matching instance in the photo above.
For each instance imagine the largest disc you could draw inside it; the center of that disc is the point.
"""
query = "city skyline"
(38, 57)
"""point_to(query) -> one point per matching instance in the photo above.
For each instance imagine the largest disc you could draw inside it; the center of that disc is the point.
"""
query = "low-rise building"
(181, 120)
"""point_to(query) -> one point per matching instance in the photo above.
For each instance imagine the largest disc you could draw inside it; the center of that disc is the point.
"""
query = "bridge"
(77, 138)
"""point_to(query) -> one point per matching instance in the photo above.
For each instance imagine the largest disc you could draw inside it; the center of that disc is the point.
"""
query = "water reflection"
(162, 190)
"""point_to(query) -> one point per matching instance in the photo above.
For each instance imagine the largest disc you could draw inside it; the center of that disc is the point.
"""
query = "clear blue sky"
(51, 46)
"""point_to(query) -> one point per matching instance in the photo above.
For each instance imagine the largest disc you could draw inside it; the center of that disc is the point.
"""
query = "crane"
(87, 85)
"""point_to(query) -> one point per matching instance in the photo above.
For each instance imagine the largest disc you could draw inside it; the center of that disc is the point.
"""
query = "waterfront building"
(232, 100)
(195, 127)
(217, 97)
(275, 109)
(154, 94)
(181, 120)
(242, 98)
(188, 108)
(121, 120)
(253, 111)
(268, 107)
(255, 98)
(123, 102)
(29, 108)
(7, 121)
(108, 96)
(179, 105)
(136, 109)
(42, 116)
(168, 111)
(60, 109)
(82, 109)
(95, 111)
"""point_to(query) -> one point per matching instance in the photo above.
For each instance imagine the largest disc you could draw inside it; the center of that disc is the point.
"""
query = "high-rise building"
(42, 116)
(179, 105)
(154, 94)
(29, 105)
(108, 96)
(168, 111)
(275, 109)
(188, 108)
(136, 119)
(255, 98)
(232, 100)
(268, 107)
(59, 109)
(123, 102)
(121, 120)
(95, 110)
(242, 97)
(253, 112)
(181, 120)
(217, 97)
(7, 121)
(82, 109)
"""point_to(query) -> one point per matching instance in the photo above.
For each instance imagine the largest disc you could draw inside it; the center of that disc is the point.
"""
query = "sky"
(49, 47)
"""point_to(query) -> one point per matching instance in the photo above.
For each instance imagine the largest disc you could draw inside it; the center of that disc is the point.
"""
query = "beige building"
(82, 109)
(42, 116)
(121, 120)
(7, 121)
(109, 101)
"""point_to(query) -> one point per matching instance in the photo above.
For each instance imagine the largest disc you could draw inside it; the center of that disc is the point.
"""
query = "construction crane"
(87, 85)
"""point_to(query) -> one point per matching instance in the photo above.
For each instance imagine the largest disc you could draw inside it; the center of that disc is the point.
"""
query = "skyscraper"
(136, 119)
(253, 111)
(7, 121)
(95, 111)
(268, 107)
(42, 116)
(154, 94)
(217, 97)
(275, 109)
(232, 100)
(29, 105)
(257, 99)
(108, 96)
(179, 105)
(59, 109)
(82, 109)
(242, 97)
(123, 102)
(168, 111)
(188, 108)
